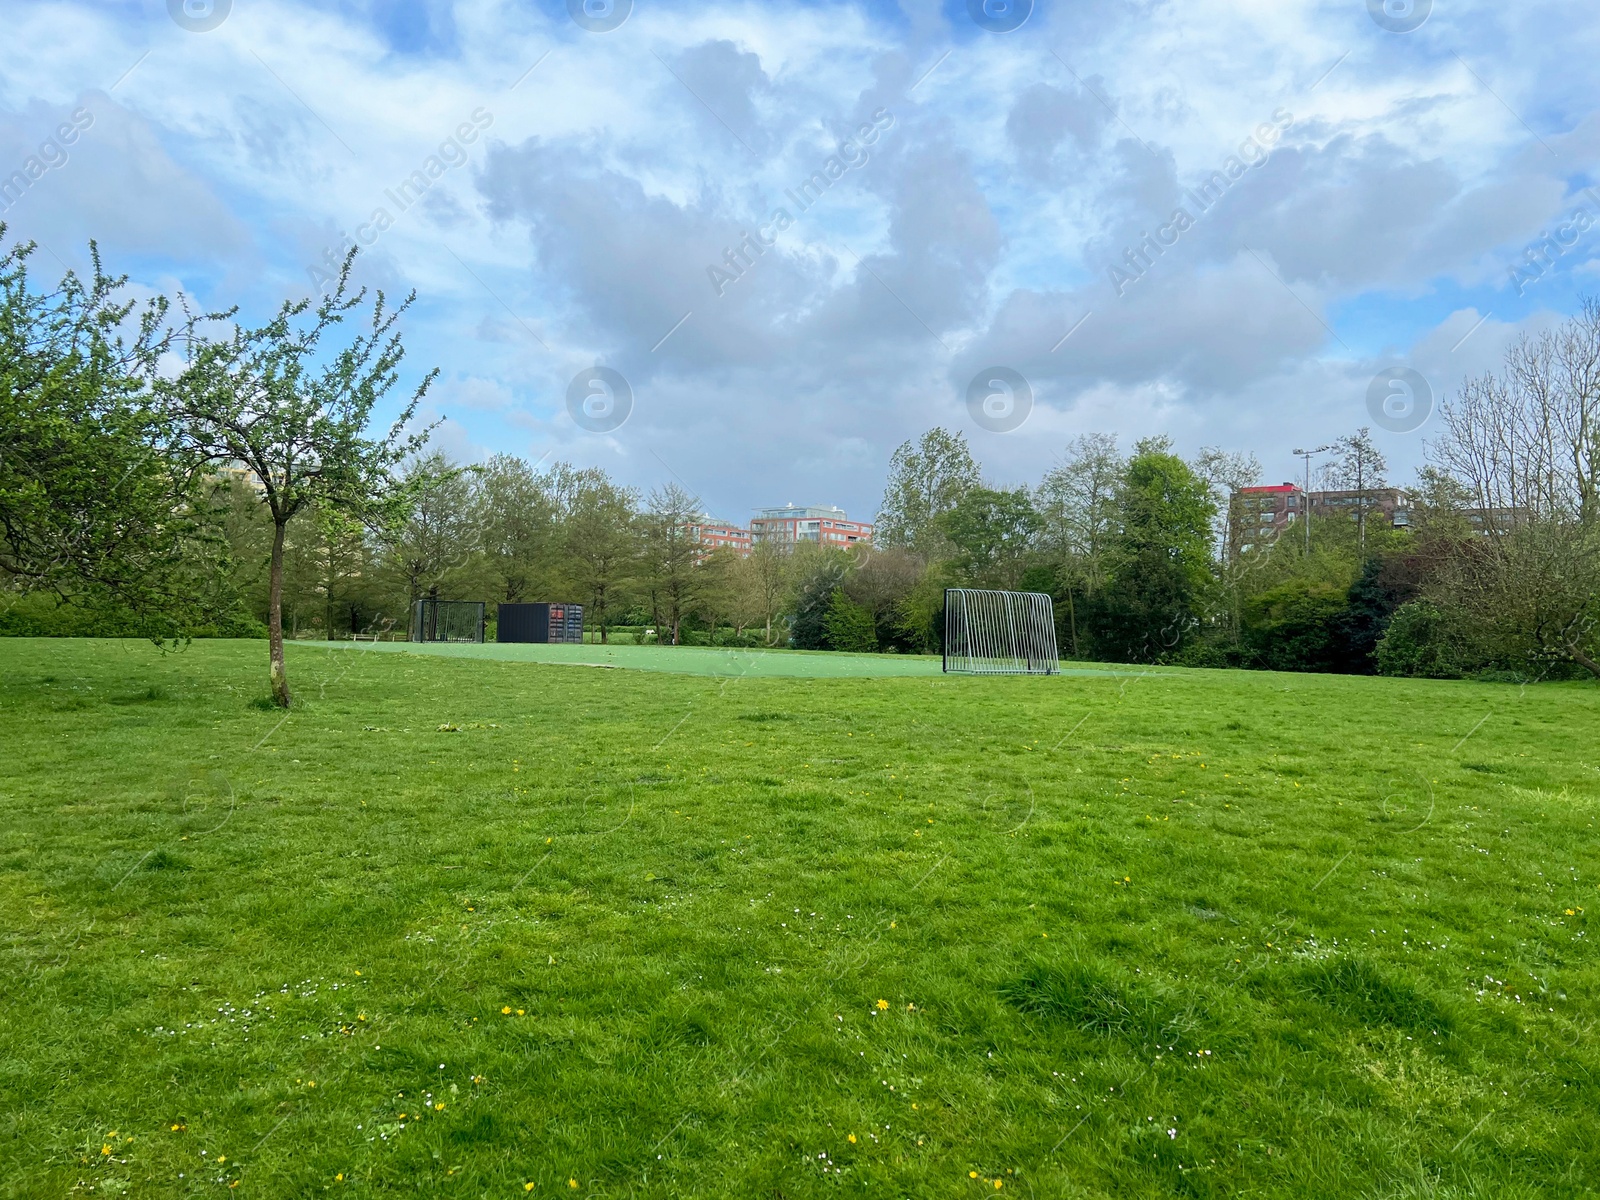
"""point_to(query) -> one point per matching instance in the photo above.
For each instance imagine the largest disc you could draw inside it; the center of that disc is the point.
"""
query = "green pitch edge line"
(684, 660)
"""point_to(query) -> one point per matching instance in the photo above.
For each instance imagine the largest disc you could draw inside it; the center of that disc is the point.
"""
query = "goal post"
(447, 620)
(999, 633)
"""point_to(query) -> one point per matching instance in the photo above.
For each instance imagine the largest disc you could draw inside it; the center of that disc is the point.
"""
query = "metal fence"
(447, 621)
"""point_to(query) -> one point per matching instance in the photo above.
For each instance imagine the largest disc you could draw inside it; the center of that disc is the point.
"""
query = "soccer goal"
(999, 633)
(447, 621)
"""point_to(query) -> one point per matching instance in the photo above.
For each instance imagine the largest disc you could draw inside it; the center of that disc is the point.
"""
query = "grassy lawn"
(468, 927)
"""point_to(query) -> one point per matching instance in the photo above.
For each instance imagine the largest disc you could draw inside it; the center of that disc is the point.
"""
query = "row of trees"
(503, 531)
(1495, 569)
(177, 472)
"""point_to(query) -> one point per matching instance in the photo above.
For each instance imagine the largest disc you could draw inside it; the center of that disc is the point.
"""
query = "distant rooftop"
(812, 510)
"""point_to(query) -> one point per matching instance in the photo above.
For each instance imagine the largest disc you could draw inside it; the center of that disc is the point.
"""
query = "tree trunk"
(280, 676)
(1072, 622)
(1583, 660)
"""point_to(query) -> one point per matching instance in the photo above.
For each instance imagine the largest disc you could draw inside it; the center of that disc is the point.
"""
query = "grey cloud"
(1203, 332)
(117, 182)
(723, 85)
(1044, 116)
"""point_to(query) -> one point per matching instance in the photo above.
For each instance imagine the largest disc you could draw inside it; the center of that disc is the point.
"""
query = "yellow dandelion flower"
(972, 1174)
(572, 1183)
(438, 1108)
(175, 1128)
(528, 1187)
(997, 1185)
(852, 1139)
(883, 1004)
(339, 1178)
(519, 1012)
(506, 1010)
(221, 1158)
(105, 1149)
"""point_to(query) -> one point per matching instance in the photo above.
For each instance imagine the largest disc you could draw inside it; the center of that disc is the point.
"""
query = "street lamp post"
(1305, 496)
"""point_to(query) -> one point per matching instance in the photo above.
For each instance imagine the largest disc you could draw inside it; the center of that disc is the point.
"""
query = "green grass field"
(463, 926)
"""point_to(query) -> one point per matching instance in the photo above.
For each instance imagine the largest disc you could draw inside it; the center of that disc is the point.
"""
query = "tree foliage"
(274, 401)
(926, 480)
(95, 502)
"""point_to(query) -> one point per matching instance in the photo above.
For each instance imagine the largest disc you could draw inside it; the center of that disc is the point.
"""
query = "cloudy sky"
(782, 238)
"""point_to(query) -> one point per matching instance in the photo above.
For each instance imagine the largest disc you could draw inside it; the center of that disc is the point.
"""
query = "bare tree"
(1525, 441)
(1357, 466)
(1227, 473)
(1524, 446)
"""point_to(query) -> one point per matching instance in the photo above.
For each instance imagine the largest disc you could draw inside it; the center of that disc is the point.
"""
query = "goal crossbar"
(999, 633)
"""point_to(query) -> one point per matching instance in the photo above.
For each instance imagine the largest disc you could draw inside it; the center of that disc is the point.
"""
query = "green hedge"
(37, 614)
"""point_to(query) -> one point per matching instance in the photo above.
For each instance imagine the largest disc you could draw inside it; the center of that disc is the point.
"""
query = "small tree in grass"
(294, 415)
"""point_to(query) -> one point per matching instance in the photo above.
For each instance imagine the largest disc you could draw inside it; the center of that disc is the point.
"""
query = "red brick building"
(712, 534)
(1259, 514)
(824, 526)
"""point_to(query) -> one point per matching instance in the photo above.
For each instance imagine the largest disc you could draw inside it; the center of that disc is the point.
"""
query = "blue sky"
(1406, 155)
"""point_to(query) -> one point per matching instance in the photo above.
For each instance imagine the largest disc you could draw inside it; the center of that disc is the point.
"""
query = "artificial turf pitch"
(696, 660)
(462, 926)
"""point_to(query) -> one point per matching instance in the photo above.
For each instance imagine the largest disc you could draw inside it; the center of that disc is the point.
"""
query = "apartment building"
(1257, 515)
(825, 526)
(713, 534)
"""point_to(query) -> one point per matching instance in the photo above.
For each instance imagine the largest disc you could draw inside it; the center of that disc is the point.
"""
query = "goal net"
(999, 633)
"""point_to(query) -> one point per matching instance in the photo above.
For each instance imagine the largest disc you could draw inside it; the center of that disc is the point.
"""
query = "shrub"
(1418, 643)
(39, 614)
(1293, 627)
(850, 626)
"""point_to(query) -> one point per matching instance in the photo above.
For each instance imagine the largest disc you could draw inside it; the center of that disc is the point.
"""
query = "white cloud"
(581, 224)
